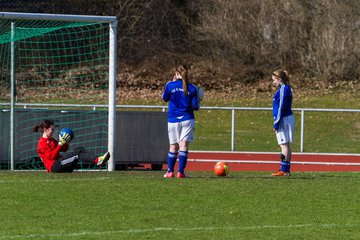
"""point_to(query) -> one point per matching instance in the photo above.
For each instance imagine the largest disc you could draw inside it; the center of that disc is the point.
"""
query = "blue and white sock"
(285, 166)
(183, 156)
(171, 161)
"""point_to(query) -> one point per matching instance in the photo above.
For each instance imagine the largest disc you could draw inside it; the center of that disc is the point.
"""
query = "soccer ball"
(68, 131)
(221, 169)
(200, 93)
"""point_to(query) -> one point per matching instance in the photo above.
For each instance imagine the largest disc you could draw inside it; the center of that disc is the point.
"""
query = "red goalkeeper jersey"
(49, 151)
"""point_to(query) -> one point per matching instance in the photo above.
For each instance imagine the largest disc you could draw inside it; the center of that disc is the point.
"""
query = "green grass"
(144, 205)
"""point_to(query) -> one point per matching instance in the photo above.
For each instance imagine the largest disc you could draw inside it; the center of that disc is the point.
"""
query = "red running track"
(205, 161)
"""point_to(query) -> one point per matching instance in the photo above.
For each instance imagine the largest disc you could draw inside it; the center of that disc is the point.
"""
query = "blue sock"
(171, 161)
(285, 166)
(183, 155)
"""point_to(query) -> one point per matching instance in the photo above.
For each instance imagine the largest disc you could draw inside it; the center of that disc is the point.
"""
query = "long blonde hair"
(182, 70)
(283, 75)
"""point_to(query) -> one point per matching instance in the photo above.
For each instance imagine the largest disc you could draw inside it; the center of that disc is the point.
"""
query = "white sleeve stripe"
(282, 88)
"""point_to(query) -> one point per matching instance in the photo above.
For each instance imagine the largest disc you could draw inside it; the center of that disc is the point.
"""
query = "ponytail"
(43, 125)
(182, 70)
(36, 128)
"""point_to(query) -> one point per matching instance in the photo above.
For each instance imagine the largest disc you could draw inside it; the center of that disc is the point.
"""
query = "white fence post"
(233, 130)
(302, 131)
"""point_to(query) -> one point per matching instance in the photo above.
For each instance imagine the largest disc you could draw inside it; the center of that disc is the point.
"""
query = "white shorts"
(181, 131)
(285, 134)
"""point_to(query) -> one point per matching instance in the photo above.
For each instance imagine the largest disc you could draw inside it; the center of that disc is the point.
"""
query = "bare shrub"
(149, 29)
(333, 49)
(316, 38)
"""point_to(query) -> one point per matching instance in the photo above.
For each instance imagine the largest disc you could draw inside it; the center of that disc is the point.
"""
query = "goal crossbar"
(57, 17)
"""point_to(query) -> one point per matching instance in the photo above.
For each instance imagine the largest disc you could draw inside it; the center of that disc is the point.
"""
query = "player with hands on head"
(49, 151)
(284, 120)
(183, 101)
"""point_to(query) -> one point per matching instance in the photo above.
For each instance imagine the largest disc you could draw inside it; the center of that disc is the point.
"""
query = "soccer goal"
(58, 67)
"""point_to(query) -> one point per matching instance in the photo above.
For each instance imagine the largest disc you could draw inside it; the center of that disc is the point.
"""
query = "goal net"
(57, 67)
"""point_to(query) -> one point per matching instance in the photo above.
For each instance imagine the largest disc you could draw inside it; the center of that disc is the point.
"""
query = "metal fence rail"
(233, 109)
(164, 108)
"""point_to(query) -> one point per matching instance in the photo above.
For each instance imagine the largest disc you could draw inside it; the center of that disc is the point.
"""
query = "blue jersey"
(181, 107)
(282, 104)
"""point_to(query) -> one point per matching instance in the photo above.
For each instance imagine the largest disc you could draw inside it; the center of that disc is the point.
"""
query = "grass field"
(144, 205)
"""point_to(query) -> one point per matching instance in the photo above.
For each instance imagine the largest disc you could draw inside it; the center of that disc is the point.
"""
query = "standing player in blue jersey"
(183, 100)
(284, 121)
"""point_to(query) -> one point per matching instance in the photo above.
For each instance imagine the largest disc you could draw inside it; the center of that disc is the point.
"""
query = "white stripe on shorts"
(69, 160)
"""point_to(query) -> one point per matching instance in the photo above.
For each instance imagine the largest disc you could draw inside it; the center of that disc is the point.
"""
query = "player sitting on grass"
(49, 151)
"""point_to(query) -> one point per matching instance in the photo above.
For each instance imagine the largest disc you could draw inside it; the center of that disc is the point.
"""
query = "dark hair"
(182, 70)
(43, 125)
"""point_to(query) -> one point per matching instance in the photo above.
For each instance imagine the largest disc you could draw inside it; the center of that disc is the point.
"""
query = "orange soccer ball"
(221, 169)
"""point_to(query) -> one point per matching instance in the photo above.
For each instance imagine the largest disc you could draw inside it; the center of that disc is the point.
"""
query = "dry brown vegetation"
(230, 46)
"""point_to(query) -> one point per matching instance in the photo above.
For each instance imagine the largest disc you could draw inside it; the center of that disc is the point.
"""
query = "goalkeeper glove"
(64, 139)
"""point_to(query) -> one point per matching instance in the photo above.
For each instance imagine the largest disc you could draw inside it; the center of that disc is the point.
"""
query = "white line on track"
(275, 162)
(195, 229)
(276, 153)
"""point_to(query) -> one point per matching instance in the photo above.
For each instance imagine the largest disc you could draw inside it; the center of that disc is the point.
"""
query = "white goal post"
(112, 21)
